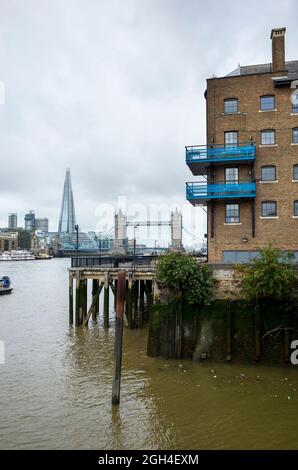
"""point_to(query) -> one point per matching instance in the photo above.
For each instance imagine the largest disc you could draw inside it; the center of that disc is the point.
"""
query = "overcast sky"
(114, 90)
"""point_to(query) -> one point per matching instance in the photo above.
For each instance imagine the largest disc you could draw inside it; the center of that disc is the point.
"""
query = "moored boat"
(17, 255)
(43, 257)
(5, 285)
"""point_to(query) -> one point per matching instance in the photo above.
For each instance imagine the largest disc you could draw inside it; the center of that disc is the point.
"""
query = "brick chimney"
(278, 49)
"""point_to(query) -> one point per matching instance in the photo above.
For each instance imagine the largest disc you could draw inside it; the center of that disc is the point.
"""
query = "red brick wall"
(282, 231)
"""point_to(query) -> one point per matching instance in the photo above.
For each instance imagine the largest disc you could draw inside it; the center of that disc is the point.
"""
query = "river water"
(55, 385)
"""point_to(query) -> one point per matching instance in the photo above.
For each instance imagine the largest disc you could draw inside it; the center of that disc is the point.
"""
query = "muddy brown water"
(55, 385)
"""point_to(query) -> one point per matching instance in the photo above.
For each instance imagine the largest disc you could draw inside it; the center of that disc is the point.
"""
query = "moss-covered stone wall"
(223, 331)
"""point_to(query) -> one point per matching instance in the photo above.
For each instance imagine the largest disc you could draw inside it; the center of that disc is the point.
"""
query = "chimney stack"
(278, 49)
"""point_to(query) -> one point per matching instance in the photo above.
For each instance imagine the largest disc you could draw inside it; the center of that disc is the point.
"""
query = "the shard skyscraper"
(67, 219)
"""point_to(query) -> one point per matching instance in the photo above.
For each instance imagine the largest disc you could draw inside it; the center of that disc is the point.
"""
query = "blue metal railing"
(220, 190)
(213, 153)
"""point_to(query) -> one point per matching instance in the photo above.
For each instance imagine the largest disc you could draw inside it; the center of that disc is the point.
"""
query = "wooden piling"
(78, 282)
(148, 290)
(81, 301)
(128, 308)
(93, 303)
(118, 338)
(142, 301)
(135, 305)
(95, 285)
(85, 298)
(70, 299)
(106, 302)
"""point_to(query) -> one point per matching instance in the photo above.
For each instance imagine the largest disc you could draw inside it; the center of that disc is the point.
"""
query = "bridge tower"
(120, 232)
(176, 230)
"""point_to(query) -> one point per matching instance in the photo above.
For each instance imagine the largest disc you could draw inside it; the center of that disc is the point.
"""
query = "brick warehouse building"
(248, 172)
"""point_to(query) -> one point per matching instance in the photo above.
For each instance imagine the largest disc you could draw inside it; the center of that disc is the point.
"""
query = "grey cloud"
(114, 90)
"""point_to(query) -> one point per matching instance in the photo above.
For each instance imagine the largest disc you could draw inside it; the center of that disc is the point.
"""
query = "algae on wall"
(224, 330)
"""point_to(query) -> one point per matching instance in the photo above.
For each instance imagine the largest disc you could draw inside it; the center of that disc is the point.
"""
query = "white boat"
(17, 255)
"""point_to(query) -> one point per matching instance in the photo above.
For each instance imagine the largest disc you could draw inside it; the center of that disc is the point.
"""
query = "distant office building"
(67, 220)
(30, 221)
(39, 243)
(66, 243)
(8, 241)
(12, 221)
(42, 224)
(24, 239)
(104, 242)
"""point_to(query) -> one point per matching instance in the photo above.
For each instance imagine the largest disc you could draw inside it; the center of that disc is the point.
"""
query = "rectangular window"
(267, 103)
(231, 139)
(268, 173)
(268, 137)
(232, 214)
(295, 102)
(240, 256)
(296, 208)
(269, 209)
(231, 106)
(295, 135)
(231, 175)
(295, 172)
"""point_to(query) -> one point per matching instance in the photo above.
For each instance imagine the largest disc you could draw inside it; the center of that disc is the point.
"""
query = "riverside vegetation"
(187, 322)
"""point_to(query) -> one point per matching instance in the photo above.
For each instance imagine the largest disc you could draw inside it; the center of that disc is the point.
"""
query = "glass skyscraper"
(67, 219)
(12, 221)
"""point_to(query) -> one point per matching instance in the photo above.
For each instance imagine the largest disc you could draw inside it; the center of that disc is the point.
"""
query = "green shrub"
(180, 272)
(270, 277)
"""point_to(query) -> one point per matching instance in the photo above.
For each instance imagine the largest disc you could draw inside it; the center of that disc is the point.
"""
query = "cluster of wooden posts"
(132, 290)
(138, 293)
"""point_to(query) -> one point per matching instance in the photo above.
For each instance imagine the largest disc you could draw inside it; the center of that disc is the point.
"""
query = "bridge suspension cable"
(196, 237)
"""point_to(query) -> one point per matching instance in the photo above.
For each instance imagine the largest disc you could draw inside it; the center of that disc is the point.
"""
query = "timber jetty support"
(102, 273)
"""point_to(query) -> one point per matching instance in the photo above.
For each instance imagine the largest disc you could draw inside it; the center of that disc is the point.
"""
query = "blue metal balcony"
(202, 192)
(200, 157)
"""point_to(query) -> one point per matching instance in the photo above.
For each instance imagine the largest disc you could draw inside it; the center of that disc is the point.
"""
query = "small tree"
(270, 277)
(182, 273)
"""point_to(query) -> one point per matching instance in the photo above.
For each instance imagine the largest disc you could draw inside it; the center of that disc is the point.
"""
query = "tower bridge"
(70, 240)
(121, 223)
